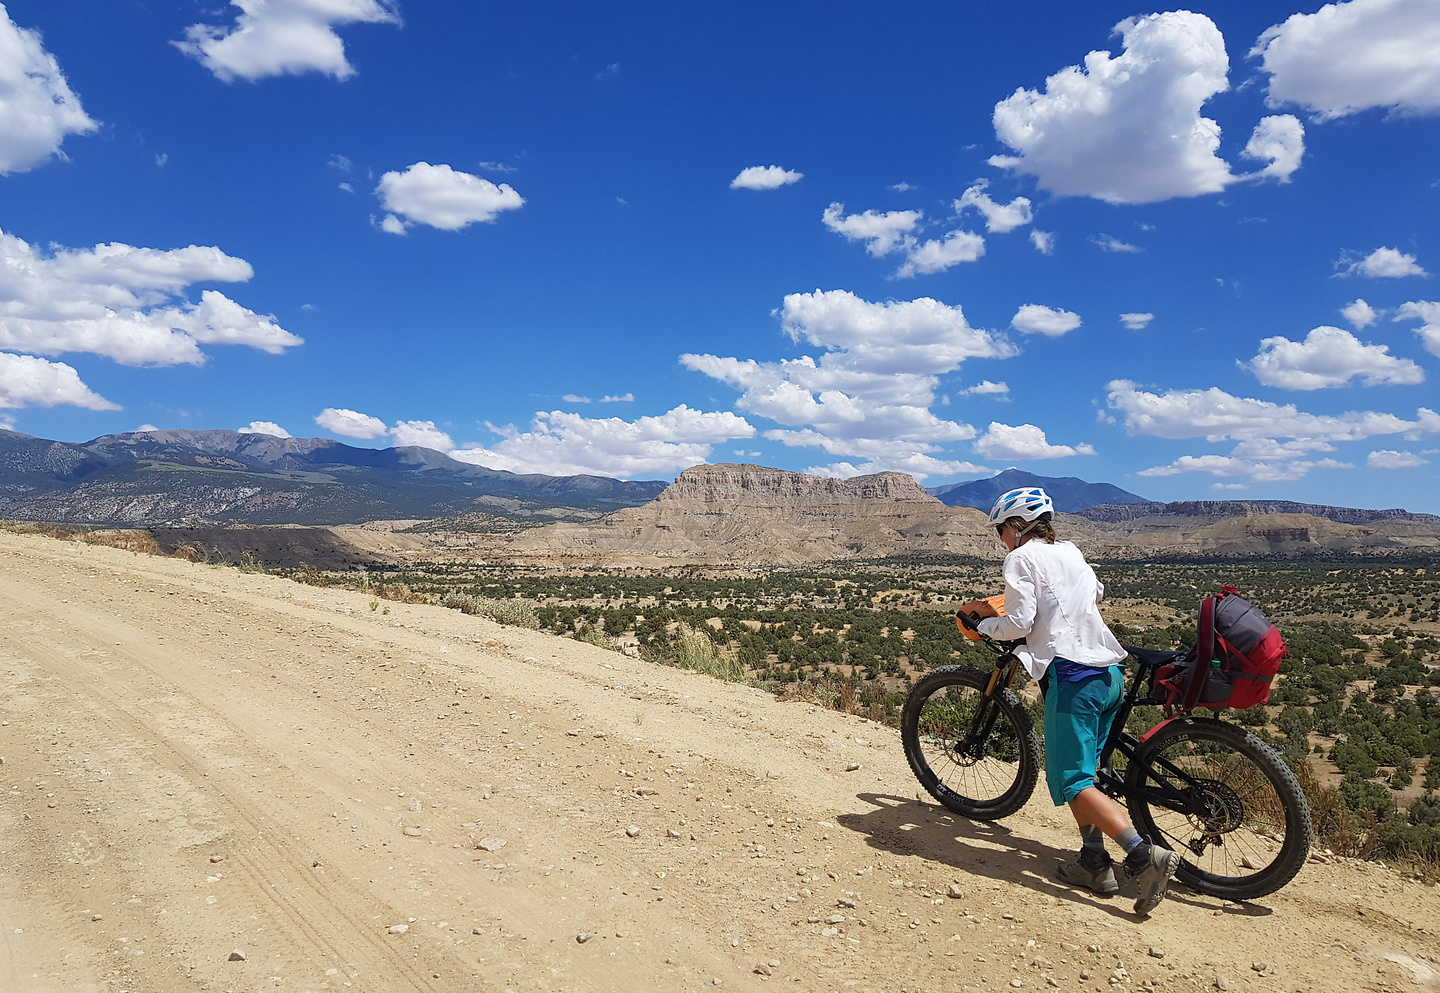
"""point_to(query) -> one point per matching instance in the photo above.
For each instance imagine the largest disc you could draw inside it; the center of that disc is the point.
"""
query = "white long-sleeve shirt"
(1051, 596)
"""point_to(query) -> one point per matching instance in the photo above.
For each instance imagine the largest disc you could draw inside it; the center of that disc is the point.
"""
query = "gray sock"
(1092, 847)
(1137, 849)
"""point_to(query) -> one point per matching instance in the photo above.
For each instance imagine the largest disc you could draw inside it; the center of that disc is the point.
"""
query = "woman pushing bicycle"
(1051, 596)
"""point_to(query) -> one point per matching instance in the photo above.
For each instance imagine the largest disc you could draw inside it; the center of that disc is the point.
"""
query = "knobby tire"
(981, 777)
(1240, 798)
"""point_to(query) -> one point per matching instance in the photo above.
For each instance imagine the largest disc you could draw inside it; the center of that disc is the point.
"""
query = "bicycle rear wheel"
(1224, 800)
(979, 757)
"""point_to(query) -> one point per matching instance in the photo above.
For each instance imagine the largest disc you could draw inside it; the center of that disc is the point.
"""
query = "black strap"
(1204, 652)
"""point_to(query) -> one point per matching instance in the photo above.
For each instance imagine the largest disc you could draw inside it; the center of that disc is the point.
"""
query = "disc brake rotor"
(1217, 809)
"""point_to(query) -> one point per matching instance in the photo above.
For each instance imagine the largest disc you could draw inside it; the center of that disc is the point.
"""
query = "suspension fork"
(1009, 665)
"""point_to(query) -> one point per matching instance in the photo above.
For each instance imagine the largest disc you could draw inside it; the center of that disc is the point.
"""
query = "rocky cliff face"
(758, 488)
(751, 515)
(1218, 509)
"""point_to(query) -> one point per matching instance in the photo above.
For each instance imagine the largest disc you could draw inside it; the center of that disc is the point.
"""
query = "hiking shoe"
(1154, 876)
(1099, 880)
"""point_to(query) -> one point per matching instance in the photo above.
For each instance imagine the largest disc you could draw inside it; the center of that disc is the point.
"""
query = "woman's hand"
(979, 608)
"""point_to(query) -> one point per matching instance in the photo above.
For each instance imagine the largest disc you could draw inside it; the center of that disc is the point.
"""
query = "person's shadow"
(985, 848)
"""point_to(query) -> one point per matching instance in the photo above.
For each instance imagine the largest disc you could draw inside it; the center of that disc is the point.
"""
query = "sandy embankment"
(199, 760)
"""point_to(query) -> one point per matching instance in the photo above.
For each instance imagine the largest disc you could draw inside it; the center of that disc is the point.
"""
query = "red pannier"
(1236, 658)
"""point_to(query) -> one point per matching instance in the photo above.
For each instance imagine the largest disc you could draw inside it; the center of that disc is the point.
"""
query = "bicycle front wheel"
(1224, 800)
(977, 755)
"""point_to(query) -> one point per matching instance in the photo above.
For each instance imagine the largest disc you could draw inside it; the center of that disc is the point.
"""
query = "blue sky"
(627, 238)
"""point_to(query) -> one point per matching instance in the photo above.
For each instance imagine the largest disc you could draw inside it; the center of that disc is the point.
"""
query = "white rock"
(583, 937)
(954, 892)
(853, 767)
(415, 806)
(633, 831)
(412, 832)
(762, 969)
(835, 919)
(672, 833)
(830, 932)
(398, 929)
(238, 955)
(491, 844)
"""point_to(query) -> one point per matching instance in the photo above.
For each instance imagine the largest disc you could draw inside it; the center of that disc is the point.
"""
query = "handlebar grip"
(969, 621)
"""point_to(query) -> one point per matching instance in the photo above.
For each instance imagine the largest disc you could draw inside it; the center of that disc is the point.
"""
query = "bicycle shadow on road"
(904, 826)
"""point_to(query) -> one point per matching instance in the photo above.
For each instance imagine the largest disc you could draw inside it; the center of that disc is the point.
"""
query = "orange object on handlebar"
(968, 629)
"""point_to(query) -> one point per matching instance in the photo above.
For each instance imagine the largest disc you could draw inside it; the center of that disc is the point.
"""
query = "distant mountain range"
(226, 477)
(1069, 494)
(1117, 513)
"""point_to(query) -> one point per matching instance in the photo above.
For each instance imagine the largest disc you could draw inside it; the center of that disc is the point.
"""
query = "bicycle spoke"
(1207, 794)
(975, 754)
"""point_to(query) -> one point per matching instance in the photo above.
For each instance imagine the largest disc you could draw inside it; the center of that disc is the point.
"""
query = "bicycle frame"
(1110, 782)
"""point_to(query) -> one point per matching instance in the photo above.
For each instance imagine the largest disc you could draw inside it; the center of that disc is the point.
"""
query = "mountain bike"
(1210, 790)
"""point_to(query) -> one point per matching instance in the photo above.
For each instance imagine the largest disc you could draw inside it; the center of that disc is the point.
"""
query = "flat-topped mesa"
(750, 514)
(757, 487)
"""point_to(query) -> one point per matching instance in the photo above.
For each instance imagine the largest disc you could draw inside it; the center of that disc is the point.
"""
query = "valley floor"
(198, 761)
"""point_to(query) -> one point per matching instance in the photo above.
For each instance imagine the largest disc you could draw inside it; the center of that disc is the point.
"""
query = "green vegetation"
(1356, 710)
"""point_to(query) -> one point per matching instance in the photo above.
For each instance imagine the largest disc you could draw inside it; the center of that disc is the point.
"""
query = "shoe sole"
(1172, 865)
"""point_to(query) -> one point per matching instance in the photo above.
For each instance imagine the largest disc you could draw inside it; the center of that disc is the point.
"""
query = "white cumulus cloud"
(1109, 243)
(265, 427)
(1386, 458)
(1034, 318)
(37, 107)
(1429, 312)
(765, 178)
(1230, 466)
(126, 303)
(1258, 427)
(999, 217)
(275, 37)
(869, 392)
(1330, 357)
(1350, 57)
(421, 434)
(351, 423)
(1216, 416)
(27, 381)
(916, 464)
(881, 233)
(1383, 263)
(1129, 129)
(1044, 241)
(936, 255)
(561, 443)
(986, 388)
(1280, 141)
(1023, 441)
(1136, 322)
(892, 231)
(441, 197)
(1359, 313)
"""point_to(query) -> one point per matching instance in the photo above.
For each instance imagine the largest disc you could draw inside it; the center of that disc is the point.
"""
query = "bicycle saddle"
(1154, 656)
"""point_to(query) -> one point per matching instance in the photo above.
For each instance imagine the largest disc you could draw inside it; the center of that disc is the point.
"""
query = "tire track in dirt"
(339, 710)
(323, 915)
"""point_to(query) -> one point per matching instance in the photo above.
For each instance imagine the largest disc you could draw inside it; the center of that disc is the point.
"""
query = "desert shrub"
(598, 638)
(398, 592)
(694, 649)
(187, 552)
(516, 613)
(139, 542)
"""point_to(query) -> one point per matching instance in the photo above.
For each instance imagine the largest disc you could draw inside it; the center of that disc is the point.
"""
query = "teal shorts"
(1078, 716)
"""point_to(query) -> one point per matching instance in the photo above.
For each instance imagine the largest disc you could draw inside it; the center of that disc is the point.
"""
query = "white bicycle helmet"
(1029, 503)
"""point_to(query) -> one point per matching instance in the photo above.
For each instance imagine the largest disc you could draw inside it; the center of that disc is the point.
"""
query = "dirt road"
(199, 761)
